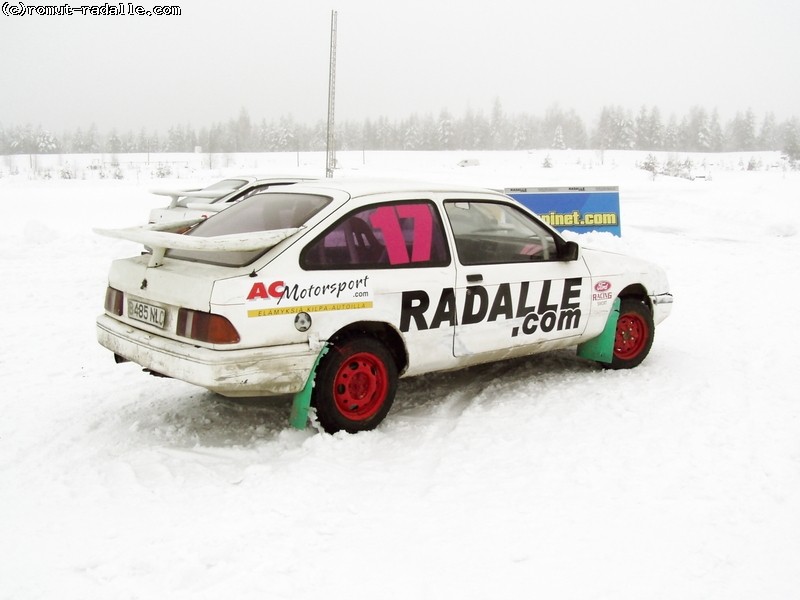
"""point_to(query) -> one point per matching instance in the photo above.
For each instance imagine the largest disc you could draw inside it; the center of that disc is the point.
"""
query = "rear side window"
(261, 212)
(394, 235)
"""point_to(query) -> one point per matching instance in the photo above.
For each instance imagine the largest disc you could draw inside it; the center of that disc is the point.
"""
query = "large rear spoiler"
(158, 237)
(175, 195)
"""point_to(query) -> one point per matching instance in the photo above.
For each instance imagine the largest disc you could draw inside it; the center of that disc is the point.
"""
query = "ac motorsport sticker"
(543, 309)
(279, 297)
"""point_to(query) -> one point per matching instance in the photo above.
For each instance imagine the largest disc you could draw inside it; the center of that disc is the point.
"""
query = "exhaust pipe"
(156, 374)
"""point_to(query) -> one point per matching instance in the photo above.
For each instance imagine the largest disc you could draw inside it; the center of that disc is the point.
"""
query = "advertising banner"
(578, 209)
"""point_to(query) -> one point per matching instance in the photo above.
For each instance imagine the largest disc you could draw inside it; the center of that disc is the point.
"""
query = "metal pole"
(330, 155)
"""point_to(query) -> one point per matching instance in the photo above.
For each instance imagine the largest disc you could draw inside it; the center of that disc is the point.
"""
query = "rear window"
(261, 212)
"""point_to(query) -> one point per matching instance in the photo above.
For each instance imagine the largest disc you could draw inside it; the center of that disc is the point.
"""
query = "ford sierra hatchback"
(348, 285)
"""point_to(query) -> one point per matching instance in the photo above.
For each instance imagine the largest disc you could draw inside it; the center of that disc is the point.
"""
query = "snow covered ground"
(538, 478)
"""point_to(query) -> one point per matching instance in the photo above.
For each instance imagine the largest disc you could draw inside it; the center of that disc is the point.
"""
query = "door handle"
(475, 278)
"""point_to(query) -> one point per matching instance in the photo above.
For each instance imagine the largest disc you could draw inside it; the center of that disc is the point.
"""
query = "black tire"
(355, 385)
(634, 336)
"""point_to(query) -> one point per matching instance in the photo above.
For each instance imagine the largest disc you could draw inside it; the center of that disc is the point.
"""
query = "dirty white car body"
(361, 282)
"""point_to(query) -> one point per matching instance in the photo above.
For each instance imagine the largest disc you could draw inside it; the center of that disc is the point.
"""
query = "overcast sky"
(418, 56)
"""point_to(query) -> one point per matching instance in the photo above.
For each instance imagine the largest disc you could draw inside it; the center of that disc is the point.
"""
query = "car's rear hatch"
(153, 297)
(152, 292)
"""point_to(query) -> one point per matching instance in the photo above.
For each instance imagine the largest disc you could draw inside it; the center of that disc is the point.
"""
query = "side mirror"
(570, 251)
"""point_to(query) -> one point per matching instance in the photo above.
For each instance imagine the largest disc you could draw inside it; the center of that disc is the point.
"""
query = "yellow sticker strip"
(293, 310)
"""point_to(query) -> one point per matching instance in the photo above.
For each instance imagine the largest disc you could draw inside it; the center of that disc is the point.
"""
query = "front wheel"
(355, 386)
(634, 335)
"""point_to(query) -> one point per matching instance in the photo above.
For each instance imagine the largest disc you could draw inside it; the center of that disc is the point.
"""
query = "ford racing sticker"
(602, 293)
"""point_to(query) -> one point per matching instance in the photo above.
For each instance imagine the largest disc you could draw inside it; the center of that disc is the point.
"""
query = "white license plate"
(152, 315)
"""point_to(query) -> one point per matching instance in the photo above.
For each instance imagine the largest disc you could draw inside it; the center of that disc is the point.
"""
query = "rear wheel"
(355, 385)
(634, 335)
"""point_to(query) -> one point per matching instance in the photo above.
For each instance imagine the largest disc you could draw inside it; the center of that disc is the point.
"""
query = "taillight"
(206, 327)
(113, 301)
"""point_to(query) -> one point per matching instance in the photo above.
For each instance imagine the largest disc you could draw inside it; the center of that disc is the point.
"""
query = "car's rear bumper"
(267, 371)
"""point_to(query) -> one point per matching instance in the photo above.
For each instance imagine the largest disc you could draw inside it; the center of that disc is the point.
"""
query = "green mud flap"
(601, 348)
(302, 399)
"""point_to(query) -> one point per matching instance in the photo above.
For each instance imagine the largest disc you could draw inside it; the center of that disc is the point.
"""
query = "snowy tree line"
(616, 128)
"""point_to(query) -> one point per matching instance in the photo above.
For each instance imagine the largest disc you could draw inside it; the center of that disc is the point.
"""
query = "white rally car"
(337, 288)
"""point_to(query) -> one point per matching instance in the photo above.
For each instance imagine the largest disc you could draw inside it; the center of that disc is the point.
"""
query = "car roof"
(365, 187)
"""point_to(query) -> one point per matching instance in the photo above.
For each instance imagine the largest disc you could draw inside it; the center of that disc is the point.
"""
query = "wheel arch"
(382, 332)
(637, 291)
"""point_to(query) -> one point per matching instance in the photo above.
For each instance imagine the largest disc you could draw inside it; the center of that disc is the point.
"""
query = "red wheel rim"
(360, 386)
(631, 336)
